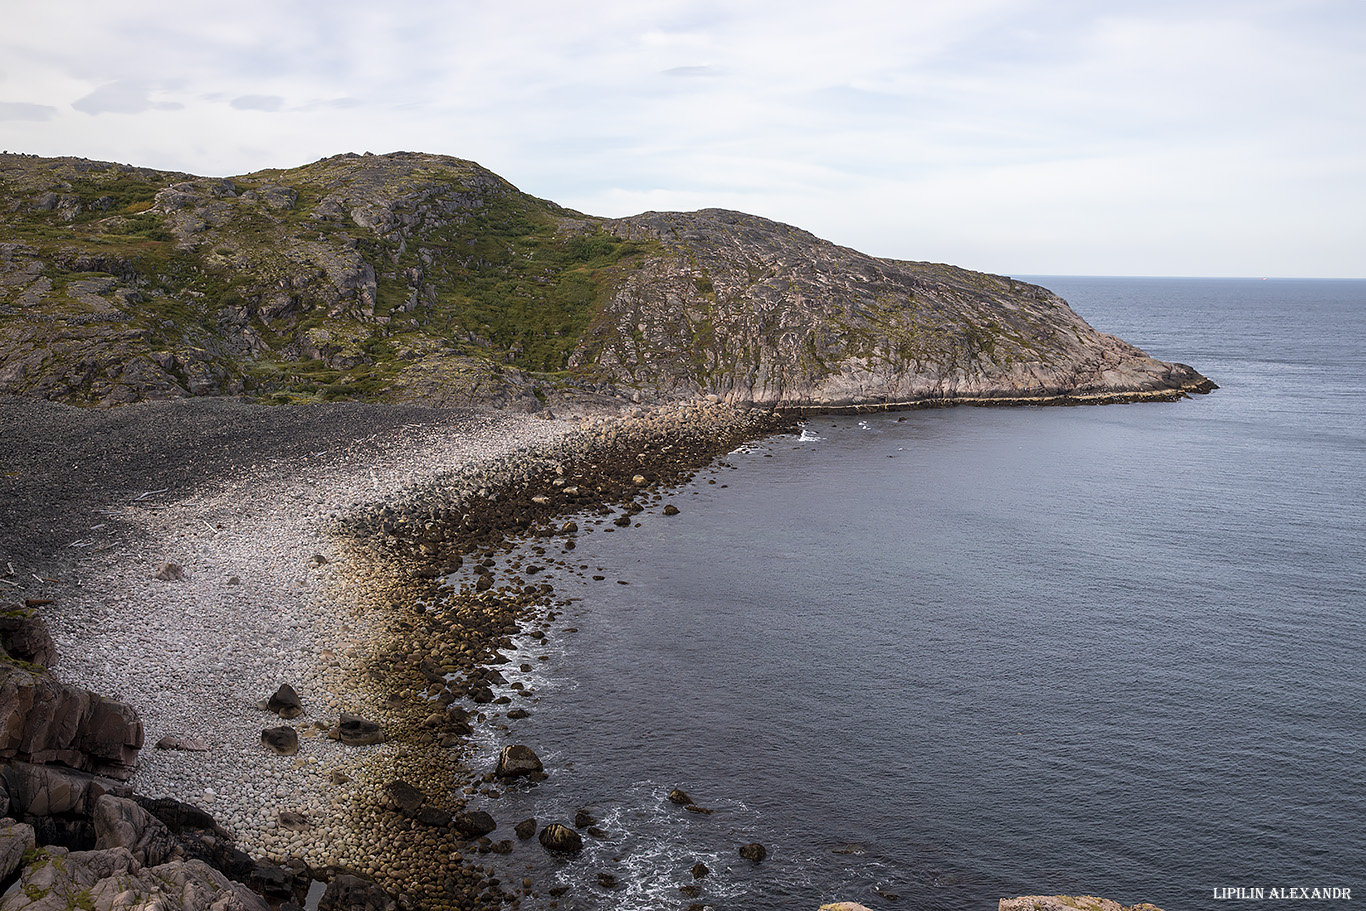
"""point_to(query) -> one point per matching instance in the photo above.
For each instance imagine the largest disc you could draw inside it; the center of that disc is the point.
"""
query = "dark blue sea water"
(964, 654)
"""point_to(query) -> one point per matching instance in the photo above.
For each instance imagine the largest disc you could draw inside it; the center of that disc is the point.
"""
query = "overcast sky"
(1192, 137)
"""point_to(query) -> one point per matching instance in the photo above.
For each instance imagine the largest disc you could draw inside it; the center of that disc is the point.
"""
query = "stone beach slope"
(266, 546)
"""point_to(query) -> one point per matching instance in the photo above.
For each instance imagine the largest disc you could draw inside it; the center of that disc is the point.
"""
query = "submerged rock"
(754, 852)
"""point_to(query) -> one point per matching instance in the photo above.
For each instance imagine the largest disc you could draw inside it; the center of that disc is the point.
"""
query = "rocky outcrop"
(426, 278)
(25, 637)
(43, 720)
(1068, 903)
(762, 312)
(102, 880)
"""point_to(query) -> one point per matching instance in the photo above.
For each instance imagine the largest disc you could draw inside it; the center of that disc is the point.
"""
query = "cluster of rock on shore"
(76, 836)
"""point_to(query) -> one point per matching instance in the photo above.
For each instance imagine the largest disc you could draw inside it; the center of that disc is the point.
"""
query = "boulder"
(845, 906)
(285, 702)
(473, 823)
(15, 839)
(680, 797)
(351, 893)
(560, 839)
(754, 852)
(121, 823)
(25, 636)
(357, 731)
(401, 796)
(518, 761)
(525, 829)
(283, 740)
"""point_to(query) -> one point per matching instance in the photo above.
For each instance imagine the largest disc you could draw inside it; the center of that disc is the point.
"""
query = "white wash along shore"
(193, 657)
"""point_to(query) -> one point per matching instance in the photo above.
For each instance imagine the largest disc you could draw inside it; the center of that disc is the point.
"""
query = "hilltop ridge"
(411, 277)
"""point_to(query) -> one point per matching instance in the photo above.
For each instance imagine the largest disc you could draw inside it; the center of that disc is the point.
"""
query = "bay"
(963, 654)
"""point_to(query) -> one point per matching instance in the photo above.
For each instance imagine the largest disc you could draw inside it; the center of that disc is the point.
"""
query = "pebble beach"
(194, 582)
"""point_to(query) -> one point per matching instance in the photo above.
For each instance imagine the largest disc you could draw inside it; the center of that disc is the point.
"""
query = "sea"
(931, 659)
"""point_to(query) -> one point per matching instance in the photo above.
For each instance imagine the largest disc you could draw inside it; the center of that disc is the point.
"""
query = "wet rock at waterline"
(518, 761)
(754, 852)
(560, 839)
(473, 823)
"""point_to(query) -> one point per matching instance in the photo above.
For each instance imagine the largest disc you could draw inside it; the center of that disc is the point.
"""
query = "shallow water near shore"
(964, 654)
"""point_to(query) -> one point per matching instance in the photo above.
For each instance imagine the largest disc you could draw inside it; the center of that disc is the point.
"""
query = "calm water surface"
(964, 654)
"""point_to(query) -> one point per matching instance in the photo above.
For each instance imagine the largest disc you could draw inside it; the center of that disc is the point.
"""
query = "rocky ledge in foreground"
(74, 835)
(425, 278)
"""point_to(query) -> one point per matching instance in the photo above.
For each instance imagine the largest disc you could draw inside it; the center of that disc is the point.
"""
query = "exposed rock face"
(59, 880)
(1068, 903)
(45, 721)
(121, 823)
(763, 312)
(412, 277)
(24, 635)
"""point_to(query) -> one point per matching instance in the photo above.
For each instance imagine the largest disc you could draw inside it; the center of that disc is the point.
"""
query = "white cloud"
(127, 96)
(1038, 135)
(22, 110)
(257, 103)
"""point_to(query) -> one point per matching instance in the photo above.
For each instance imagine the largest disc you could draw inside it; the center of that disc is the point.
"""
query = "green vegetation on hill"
(425, 277)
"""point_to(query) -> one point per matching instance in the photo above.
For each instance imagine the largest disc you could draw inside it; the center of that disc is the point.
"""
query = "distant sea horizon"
(963, 654)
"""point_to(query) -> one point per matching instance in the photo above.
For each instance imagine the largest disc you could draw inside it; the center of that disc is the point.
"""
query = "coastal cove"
(955, 655)
(948, 655)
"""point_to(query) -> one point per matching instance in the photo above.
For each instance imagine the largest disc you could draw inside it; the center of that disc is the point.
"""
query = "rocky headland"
(246, 647)
(429, 279)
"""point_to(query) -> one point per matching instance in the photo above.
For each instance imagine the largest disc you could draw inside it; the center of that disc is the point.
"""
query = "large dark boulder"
(560, 839)
(357, 731)
(473, 823)
(351, 893)
(285, 702)
(518, 761)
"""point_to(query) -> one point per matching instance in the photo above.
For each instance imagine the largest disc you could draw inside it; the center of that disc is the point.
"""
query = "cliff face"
(759, 311)
(411, 277)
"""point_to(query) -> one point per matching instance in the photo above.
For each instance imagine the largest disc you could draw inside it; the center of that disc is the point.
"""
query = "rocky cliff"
(411, 277)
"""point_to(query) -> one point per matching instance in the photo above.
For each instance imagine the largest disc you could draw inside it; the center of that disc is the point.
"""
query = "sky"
(1032, 137)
